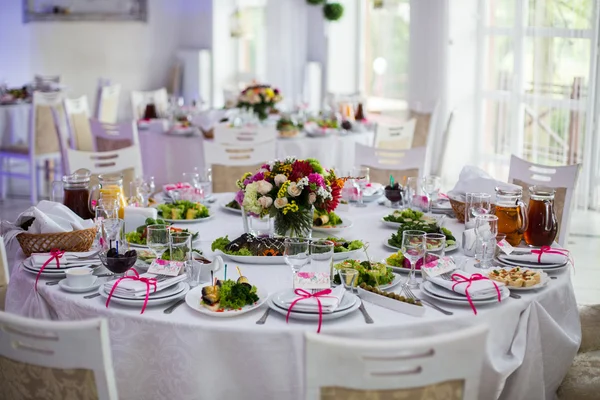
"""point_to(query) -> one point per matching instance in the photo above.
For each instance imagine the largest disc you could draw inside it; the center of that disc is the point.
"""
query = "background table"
(187, 355)
(14, 123)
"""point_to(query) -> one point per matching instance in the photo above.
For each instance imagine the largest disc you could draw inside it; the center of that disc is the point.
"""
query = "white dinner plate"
(189, 221)
(151, 301)
(233, 210)
(397, 279)
(403, 270)
(526, 264)
(273, 260)
(504, 293)
(194, 297)
(346, 223)
(544, 279)
(167, 292)
(343, 255)
(450, 294)
(143, 246)
(63, 285)
(447, 250)
(315, 317)
(396, 225)
(284, 297)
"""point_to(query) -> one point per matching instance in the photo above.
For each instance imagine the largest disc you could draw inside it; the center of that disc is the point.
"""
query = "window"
(250, 35)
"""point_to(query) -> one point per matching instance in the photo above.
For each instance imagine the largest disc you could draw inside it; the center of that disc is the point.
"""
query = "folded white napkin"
(52, 217)
(473, 179)
(69, 258)
(478, 288)
(372, 188)
(207, 120)
(547, 258)
(130, 287)
(329, 304)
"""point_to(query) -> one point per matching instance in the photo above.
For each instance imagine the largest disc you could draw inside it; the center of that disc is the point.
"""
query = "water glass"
(194, 194)
(349, 278)
(321, 256)
(411, 190)
(157, 239)
(436, 244)
(431, 185)
(205, 181)
(360, 181)
(144, 188)
(477, 204)
(413, 248)
(180, 246)
(296, 253)
(486, 229)
(111, 233)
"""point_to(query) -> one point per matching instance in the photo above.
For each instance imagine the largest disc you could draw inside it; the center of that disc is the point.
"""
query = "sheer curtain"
(287, 31)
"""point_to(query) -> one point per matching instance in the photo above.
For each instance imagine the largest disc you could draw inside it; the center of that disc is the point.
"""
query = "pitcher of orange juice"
(110, 187)
(511, 213)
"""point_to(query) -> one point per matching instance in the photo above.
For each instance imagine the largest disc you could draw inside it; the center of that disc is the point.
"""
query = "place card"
(312, 280)
(439, 266)
(505, 246)
(164, 267)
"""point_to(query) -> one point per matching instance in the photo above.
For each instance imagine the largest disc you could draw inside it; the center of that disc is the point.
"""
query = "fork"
(411, 295)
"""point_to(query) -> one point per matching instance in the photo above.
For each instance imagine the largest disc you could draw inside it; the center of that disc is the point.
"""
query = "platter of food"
(137, 238)
(392, 301)
(408, 216)
(416, 220)
(329, 222)
(518, 278)
(232, 206)
(371, 273)
(183, 211)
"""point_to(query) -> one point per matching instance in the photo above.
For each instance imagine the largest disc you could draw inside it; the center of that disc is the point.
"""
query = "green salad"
(222, 242)
(183, 209)
(374, 273)
(233, 204)
(139, 235)
(235, 295)
(396, 239)
(324, 219)
(341, 245)
(408, 216)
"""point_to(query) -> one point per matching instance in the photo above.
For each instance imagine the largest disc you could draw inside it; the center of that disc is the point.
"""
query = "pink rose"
(279, 179)
(294, 190)
(265, 201)
(281, 202)
(312, 197)
(264, 187)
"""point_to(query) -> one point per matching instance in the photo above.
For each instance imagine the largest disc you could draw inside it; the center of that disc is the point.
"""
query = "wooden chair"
(562, 179)
(139, 100)
(446, 366)
(244, 136)
(47, 141)
(108, 137)
(383, 162)
(107, 109)
(4, 274)
(396, 137)
(78, 125)
(230, 162)
(55, 360)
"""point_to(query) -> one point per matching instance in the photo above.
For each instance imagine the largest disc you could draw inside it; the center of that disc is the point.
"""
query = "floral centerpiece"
(289, 191)
(260, 99)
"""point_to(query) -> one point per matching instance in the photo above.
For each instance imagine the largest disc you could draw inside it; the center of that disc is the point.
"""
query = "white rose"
(279, 179)
(265, 201)
(264, 187)
(312, 197)
(294, 190)
(281, 202)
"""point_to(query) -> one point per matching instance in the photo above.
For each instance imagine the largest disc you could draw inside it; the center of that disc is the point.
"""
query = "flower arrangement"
(288, 190)
(260, 99)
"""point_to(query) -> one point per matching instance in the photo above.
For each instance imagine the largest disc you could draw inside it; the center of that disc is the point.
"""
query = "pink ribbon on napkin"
(178, 185)
(458, 278)
(306, 295)
(550, 250)
(135, 277)
(55, 254)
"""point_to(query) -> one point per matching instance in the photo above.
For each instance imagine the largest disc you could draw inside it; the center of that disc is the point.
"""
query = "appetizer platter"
(370, 273)
(400, 264)
(519, 278)
(415, 220)
(329, 222)
(137, 238)
(408, 216)
(389, 300)
(183, 211)
(232, 206)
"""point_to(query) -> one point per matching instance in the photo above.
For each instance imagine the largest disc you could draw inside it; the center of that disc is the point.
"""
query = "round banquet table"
(167, 157)
(14, 123)
(188, 355)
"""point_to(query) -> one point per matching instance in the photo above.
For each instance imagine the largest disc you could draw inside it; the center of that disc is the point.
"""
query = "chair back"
(59, 359)
(385, 162)
(395, 137)
(108, 137)
(562, 179)
(47, 125)
(139, 100)
(108, 162)
(108, 103)
(78, 124)
(230, 162)
(4, 274)
(244, 136)
(339, 368)
(46, 83)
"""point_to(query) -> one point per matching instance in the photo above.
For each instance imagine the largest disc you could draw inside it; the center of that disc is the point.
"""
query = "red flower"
(336, 194)
(300, 169)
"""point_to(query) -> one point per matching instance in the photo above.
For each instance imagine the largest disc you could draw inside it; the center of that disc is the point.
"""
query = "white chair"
(341, 368)
(562, 179)
(108, 103)
(139, 100)
(61, 360)
(229, 162)
(46, 83)
(4, 274)
(47, 141)
(78, 125)
(107, 162)
(244, 136)
(108, 137)
(386, 162)
(395, 137)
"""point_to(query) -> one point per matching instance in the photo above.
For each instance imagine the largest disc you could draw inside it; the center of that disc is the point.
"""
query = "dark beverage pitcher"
(543, 225)
(74, 192)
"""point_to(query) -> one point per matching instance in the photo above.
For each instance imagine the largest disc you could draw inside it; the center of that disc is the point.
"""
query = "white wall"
(14, 45)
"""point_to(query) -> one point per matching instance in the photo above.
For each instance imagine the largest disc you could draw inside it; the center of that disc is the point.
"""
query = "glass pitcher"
(110, 188)
(543, 225)
(511, 213)
(73, 191)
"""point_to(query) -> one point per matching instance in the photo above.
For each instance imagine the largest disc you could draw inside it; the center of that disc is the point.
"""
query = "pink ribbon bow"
(135, 277)
(55, 254)
(306, 295)
(178, 185)
(550, 250)
(458, 278)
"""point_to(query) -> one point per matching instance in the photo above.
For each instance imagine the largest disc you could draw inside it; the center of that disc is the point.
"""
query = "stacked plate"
(279, 303)
(128, 293)
(451, 297)
(34, 263)
(524, 260)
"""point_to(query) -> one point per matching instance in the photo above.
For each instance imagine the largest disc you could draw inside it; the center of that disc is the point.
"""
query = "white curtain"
(287, 32)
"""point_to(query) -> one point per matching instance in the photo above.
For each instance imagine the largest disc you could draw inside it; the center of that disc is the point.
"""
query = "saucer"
(63, 285)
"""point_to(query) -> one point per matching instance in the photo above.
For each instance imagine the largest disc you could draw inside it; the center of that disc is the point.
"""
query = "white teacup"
(80, 277)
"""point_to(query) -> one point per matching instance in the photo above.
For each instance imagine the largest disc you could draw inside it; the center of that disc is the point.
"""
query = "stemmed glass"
(157, 239)
(413, 248)
(114, 254)
(431, 185)
(410, 191)
(144, 188)
(296, 253)
(486, 229)
(360, 182)
(478, 204)
(193, 178)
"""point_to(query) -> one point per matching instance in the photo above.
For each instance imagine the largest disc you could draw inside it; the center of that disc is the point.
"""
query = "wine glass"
(205, 180)
(296, 253)
(477, 204)
(413, 248)
(486, 229)
(411, 190)
(431, 185)
(360, 182)
(157, 239)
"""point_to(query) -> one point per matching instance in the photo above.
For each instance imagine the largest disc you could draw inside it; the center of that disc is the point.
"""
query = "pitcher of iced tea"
(110, 188)
(543, 225)
(74, 192)
(511, 213)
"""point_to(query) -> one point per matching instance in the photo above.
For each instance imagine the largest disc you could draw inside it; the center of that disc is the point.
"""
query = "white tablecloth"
(186, 355)
(14, 123)
(166, 157)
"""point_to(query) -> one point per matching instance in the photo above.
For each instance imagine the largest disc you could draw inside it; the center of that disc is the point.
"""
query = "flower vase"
(259, 226)
(294, 224)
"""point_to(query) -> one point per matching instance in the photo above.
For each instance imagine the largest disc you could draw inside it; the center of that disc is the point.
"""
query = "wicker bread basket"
(459, 209)
(81, 240)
